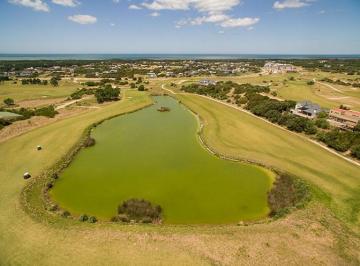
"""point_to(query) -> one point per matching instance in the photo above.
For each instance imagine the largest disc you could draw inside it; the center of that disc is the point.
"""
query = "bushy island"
(253, 98)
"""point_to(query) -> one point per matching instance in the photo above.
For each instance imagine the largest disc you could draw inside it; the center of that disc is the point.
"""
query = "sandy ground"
(40, 102)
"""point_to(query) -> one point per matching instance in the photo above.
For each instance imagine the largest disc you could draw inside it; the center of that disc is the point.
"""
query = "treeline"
(34, 81)
(347, 66)
(279, 112)
(27, 113)
(340, 82)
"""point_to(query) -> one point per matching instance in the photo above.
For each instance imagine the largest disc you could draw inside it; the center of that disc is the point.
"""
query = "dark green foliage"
(107, 93)
(339, 140)
(322, 123)
(91, 83)
(287, 192)
(323, 114)
(310, 82)
(9, 101)
(355, 151)
(83, 218)
(48, 111)
(357, 127)
(141, 88)
(80, 93)
(54, 81)
(140, 210)
(92, 219)
(34, 81)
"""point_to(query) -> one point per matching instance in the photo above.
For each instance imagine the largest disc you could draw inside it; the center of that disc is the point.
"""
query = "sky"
(180, 26)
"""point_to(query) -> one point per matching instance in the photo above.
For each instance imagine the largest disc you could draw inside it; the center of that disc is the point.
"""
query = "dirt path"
(266, 121)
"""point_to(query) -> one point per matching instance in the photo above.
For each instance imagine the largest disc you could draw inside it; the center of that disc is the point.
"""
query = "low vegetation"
(287, 193)
(139, 210)
(107, 93)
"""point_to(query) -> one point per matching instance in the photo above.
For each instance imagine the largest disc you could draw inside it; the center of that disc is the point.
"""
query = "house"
(151, 75)
(306, 109)
(346, 119)
(207, 82)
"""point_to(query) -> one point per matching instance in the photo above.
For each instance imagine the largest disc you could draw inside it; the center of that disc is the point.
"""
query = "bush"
(355, 151)
(287, 192)
(89, 142)
(48, 111)
(92, 219)
(310, 82)
(141, 88)
(9, 101)
(107, 94)
(139, 209)
(322, 123)
(83, 218)
(65, 214)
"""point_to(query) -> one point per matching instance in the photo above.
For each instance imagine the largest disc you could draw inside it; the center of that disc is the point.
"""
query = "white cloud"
(70, 3)
(134, 7)
(37, 5)
(155, 14)
(239, 22)
(291, 4)
(213, 11)
(83, 19)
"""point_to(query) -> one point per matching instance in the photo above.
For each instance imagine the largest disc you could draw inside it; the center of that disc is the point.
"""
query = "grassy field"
(20, 92)
(309, 236)
(240, 135)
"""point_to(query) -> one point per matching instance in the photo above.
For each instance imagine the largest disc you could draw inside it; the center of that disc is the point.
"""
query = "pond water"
(157, 156)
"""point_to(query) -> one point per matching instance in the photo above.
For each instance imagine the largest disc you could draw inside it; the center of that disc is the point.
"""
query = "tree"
(310, 82)
(141, 88)
(322, 123)
(355, 151)
(54, 81)
(9, 101)
(107, 93)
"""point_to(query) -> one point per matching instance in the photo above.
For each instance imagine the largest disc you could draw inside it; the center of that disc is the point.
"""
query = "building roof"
(8, 115)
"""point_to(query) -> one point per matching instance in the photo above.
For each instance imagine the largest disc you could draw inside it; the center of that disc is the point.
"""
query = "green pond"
(157, 156)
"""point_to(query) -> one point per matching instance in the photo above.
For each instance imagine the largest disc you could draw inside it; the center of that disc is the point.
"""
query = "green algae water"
(157, 156)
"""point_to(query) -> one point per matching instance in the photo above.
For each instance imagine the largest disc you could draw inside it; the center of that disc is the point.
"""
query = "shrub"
(9, 101)
(89, 142)
(107, 94)
(48, 111)
(141, 88)
(65, 214)
(92, 219)
(355, 151)
(310, 82)
(322, 123)
(83, 218)
(139, 209)
(287, 192)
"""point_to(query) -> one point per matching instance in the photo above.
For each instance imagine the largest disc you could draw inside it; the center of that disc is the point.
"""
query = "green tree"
(9, 101)
(355, 151)
(141, 88)
(54, 81)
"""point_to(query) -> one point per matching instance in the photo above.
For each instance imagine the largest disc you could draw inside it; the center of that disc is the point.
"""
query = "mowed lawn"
(235, 133)
(20, 92)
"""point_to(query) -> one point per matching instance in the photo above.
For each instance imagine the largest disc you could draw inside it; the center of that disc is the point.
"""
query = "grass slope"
(20, 92)
(241, 135)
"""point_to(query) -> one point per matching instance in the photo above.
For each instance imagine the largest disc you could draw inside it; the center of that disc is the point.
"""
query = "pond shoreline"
(42, 181)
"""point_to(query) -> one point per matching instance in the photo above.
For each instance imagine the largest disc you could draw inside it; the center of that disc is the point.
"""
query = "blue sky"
(180, 26)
